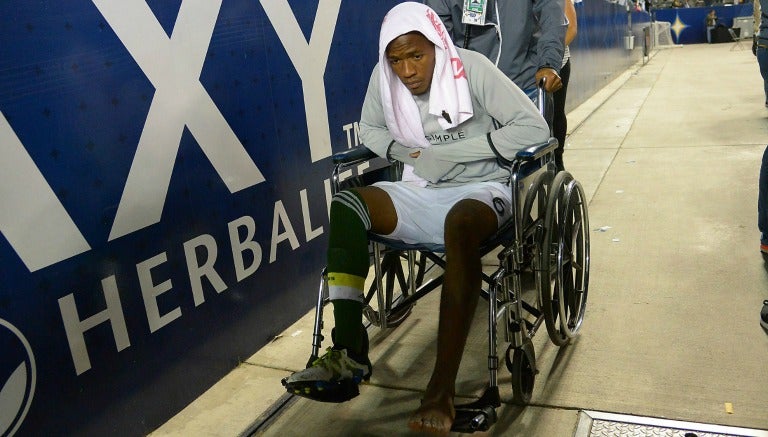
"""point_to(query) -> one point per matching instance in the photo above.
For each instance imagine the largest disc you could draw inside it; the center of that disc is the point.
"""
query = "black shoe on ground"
(333, 377)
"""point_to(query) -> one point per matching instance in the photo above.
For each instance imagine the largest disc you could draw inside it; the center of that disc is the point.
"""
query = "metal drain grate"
(598, 424)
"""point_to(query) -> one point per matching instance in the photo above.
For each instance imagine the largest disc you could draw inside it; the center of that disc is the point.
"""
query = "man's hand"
(552, 83)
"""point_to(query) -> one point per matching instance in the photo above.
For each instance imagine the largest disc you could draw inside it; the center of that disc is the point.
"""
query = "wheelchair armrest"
(536, 151)
(354, 155)
(376, 168)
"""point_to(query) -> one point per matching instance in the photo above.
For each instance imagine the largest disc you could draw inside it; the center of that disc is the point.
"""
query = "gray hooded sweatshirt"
(531, 35)
(504, 119)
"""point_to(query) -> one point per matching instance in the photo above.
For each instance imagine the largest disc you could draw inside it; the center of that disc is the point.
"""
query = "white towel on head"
(449, 92)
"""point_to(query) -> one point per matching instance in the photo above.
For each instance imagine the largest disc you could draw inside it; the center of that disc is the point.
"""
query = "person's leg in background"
(762, 60)
(762, 203)
(559, 120)
(762, 223)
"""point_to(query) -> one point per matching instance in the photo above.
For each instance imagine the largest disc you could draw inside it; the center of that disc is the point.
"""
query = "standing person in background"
(760, 44)
(559, 120)
(524, 38)
(760, 49)
(711, 22)
(762, 224)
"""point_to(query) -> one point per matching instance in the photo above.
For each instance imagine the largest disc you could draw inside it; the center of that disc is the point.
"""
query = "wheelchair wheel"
(564, 259)
(395, 280)
(521, 363)
(533, 213)
(535, 204)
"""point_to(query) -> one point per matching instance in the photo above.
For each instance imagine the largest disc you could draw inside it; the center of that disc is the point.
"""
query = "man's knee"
(470, 221)
(380, 208)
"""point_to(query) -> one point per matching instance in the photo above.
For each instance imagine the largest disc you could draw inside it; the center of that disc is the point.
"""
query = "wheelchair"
(546, 237)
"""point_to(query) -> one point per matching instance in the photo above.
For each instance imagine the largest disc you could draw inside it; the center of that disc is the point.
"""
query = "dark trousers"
(559, 121)
(762, 200)
(762, 61)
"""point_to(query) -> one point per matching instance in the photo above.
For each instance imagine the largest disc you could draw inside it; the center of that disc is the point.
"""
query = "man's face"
(412, 58)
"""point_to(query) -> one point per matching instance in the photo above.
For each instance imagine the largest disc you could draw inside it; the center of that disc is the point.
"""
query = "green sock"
(349, 320)
(348, 266)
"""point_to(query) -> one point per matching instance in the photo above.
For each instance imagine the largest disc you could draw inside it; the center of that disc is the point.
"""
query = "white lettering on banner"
(197, 271)
(352, 129)
(281, 216)
(31, 216)
(150, 291)
(240, 246)
(173, 65)
(75, 328)
(309, 233)
(310, 60)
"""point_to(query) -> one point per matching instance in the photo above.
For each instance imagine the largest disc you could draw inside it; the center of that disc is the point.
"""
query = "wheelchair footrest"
(335, 392)
(469, 420)
(479, 415)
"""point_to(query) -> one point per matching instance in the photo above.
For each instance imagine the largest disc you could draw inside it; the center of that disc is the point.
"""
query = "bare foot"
(434, 416)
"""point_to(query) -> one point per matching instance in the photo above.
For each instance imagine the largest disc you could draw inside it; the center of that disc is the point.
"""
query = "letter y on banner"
(310, 60)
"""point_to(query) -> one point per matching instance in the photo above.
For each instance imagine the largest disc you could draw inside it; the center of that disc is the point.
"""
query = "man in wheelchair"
(448, 114)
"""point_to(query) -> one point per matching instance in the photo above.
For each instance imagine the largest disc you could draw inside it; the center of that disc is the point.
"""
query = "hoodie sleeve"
(373, 127)
(552, 23)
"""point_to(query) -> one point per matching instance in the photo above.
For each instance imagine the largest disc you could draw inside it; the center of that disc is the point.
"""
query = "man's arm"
(573, 26)
(551, 44)
(373, 127)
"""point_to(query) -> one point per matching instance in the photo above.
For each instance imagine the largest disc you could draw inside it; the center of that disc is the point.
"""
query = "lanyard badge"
(474, 12)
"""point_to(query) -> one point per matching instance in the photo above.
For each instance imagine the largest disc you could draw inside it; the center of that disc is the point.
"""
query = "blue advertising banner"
(163, 194)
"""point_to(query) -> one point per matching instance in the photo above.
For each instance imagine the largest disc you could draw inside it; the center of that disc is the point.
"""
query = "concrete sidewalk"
(669, 155)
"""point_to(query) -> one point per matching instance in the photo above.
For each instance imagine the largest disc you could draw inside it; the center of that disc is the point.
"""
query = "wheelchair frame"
(547, 234)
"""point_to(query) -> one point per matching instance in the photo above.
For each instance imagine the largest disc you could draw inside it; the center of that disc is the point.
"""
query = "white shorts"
(421, 211)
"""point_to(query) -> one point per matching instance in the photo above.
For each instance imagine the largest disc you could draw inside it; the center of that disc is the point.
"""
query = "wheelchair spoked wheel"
(533, 213)
(564, 265)
(535, 204)
(521, 363)
(395, 280)
(576, 286)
